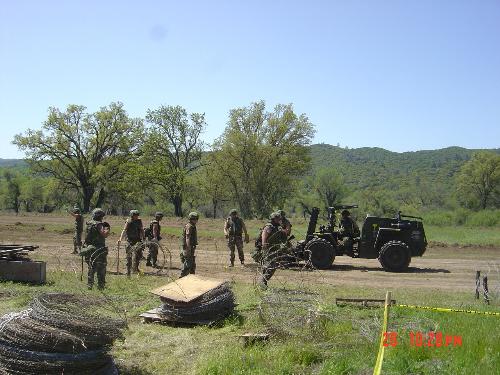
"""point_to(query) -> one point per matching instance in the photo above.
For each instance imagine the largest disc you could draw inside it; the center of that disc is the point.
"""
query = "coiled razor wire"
(210, 307)
(59, 333)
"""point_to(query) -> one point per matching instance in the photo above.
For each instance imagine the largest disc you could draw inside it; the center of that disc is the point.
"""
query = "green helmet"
(193, 215)
(275, 215)
(158, 214)
(98, 213)
(134, 212)
(76, 210)
(282, 213)
(233, 212)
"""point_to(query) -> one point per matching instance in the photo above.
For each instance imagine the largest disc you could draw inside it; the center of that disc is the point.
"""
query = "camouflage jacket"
(190, 232)
(234, 227)
(93, 236)
(133, 230)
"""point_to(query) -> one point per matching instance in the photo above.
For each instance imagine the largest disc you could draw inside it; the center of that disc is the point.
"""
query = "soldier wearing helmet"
(153, 234)
(234, 227)
(134, 232)
(95, 250)
(285, 223)
(189, 242)
(77, 237)
(273, 236)
(348, 230)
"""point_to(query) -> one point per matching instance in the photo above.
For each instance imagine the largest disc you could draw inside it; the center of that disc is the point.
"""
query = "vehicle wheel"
(395, 256)
(322, 253)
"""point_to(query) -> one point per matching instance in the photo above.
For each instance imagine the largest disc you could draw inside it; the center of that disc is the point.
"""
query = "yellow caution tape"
(450, 310)
(381, 348)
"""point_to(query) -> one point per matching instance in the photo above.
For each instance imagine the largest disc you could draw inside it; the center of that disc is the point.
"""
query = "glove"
(247, 238)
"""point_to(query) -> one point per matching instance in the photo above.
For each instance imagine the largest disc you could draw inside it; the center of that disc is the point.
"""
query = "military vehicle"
(394, 241)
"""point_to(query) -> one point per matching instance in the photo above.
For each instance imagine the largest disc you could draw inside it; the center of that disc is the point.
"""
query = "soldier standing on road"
(233, 231)
(285, 223)
(348, 231)
(189, 242)
(77, 237)
(134, 231)
(272, 238)
(95, 250)
(154, 237)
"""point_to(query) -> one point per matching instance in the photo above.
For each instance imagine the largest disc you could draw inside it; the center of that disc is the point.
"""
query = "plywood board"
(187, 289)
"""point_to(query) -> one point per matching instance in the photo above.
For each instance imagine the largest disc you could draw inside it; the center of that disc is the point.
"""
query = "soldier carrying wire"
(134, 231)
(233, 231)
(153, 234)
(95, 250)
(272, 237)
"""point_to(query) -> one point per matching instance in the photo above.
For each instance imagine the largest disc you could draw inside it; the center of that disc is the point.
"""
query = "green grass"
(336, 340)
(461, 235)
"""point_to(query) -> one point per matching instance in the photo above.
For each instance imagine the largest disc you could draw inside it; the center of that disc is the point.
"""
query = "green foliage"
(172, 151)
(478, 182)
(83, 151)
(260, 154)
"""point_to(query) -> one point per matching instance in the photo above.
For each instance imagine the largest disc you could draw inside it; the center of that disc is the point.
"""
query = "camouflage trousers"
(97, 267)
(152, 253)
(77, 242)
(134, 254)
(188, 262)
(235, 242)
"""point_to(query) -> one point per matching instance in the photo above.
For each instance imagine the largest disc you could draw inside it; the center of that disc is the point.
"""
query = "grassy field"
(309, 335)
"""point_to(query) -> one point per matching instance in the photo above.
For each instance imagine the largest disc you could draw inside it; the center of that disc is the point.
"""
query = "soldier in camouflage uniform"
(233, 231)
(134, 232)
(285, 223)
(95, 250)
(154, 237)
(77, 237)
(348, 230)
(189, 242)
(273, 237)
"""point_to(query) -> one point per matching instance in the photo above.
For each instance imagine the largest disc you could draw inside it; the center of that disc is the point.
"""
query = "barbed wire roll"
(59, 333)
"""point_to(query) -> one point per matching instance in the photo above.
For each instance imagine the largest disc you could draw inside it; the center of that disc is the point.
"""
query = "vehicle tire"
(395, 256)
(321, 253)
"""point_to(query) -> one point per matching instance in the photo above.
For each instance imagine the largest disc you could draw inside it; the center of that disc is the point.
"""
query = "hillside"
(372, 166)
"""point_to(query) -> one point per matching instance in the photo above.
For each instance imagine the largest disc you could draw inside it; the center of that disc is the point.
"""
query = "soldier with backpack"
(153, 235)
(134, 232)
(95, 250)
(234, 228)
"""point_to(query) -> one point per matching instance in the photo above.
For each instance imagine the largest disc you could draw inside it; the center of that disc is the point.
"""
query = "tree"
(260, 153)
(212, 184)
(172, 150)
(329, 186)
(83, 151)
(478, 181)
(12, 191)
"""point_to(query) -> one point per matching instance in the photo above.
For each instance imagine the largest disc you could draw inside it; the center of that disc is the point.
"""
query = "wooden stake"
(478, 283)
(485, 290)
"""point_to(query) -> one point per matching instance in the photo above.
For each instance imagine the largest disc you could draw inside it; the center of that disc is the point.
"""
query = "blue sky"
(403, 75)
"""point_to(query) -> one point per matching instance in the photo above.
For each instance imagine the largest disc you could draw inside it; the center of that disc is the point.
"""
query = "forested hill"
(12, 163)
(373, 166)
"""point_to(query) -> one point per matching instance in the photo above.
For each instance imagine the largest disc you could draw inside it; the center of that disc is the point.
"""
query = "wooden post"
(478, 283)
(118, 259)
(388, 301)
(485, 290)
